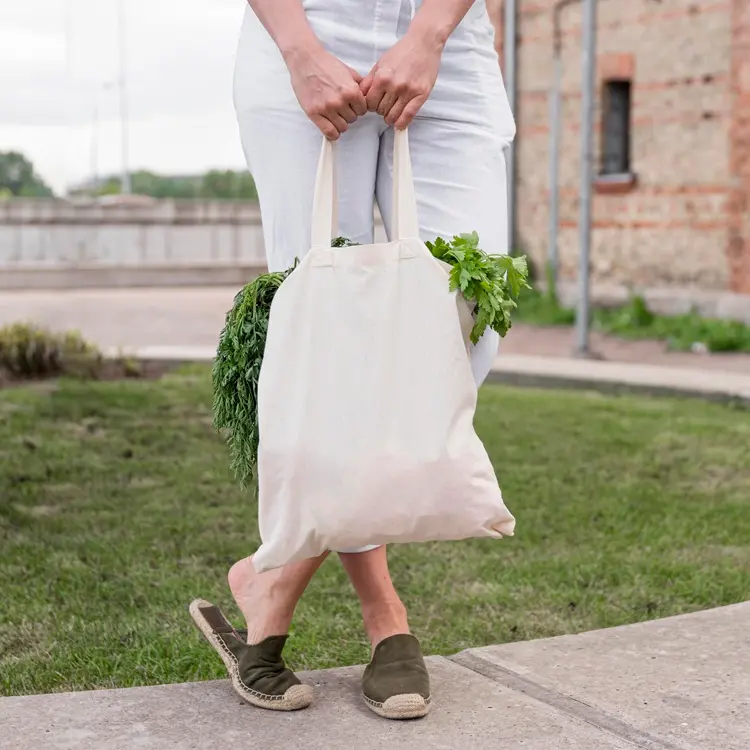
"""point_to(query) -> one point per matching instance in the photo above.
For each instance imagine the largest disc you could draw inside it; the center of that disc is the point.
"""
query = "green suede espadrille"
(396, 684)
(257, 671)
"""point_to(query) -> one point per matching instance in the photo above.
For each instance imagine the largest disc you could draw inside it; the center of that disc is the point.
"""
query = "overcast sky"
(58, 57)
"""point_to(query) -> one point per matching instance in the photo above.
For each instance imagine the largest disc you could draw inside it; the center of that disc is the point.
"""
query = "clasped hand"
(333, 95)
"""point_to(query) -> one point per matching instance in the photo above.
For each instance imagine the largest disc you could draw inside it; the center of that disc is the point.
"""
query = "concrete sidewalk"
(556, 372)
(193, 317)
(682, 683)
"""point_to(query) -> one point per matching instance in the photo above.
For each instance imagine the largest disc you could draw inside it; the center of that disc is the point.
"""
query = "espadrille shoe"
(257, 671)
(396, 684)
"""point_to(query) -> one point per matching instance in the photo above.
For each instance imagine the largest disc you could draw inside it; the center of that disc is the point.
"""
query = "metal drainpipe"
(510, 23)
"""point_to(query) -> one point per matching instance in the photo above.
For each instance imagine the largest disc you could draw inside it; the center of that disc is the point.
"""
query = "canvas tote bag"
(366, 397)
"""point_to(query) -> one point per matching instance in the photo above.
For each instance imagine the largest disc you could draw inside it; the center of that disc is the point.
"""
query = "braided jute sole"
(295, 698)
(407, 706)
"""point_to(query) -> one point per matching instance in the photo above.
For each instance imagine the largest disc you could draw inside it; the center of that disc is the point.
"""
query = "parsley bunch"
(491, 282)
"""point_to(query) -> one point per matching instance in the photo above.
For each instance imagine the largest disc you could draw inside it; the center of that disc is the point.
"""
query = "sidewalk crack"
(563, 703)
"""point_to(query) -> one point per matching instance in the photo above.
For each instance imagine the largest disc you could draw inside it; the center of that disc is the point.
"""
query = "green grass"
(635, 321)
(117, 507)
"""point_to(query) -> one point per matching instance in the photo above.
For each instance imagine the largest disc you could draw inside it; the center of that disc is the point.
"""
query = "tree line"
(18, 178)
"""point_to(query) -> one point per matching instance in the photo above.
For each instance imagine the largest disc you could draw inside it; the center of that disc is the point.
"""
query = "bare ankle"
(268, 600)
(267, 609)
(384, 619)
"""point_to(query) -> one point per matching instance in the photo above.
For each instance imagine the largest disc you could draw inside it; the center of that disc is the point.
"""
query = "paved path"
(682, 683)
(137, 318)
(184, 323)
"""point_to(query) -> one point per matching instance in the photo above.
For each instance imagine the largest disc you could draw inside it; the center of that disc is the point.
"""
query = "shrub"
(30, 351)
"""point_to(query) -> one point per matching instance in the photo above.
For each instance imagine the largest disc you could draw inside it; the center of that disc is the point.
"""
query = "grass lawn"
(117, 508)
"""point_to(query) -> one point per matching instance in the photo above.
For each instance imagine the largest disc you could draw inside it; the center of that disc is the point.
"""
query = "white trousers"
(458, 141)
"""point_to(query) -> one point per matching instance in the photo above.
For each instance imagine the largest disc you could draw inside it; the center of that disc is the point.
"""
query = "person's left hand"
(402, 79)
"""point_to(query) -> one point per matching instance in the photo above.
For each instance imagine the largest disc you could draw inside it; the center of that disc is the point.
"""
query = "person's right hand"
(327, 90)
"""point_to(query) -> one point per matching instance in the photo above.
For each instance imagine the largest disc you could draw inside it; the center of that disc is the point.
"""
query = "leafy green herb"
(492, 282)
(343, 242)
(236, 371)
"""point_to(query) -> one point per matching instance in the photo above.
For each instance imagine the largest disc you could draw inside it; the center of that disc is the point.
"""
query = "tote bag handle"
(325, 213)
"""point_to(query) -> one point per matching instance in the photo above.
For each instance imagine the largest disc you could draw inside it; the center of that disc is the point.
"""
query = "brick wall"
(673, 228)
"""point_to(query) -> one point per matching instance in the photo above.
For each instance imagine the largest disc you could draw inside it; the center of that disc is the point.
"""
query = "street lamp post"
(126, 185)
(95, 128)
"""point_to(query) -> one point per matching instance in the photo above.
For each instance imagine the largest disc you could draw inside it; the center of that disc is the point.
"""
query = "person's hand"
(328, 91)
(402, 79)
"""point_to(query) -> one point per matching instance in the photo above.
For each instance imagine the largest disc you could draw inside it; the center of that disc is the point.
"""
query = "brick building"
(673, 116)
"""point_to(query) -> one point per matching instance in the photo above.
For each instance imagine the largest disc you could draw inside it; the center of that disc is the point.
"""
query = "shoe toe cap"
(407, 706)
(298, 696)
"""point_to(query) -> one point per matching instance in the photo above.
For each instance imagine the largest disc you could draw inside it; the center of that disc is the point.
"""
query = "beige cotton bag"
(366, 397)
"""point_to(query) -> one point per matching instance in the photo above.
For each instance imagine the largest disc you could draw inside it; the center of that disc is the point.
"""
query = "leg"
(282, 151)
(283, 154)
(282, 148)
(383, 612)
(395, 684)
(268, 600)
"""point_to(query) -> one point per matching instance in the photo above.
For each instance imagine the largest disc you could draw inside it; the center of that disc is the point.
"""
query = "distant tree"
(229, 185)
(214, 185)
(110, 186)
(18, 178)
(158, 186)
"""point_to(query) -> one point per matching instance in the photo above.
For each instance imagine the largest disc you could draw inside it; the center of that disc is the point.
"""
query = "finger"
(410, 112)
(326, 127)
(387, 102)
(396, 110)
(357, 102)
(366, 83)
(348, 113)
(339, 122)
(359, 106)
(355, 75)
(374, 95)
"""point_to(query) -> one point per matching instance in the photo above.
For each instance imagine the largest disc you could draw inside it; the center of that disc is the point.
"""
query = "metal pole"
(96, 132)
(69, 38)
(510, 23)
(123, 84)
(70, 81)
(587, 168)
(95, 147)
(555, 116)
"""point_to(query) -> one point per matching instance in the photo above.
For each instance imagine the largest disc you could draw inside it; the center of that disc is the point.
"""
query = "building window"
(616, 128)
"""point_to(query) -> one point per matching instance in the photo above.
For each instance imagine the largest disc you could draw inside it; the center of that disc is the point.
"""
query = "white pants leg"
(458, 141)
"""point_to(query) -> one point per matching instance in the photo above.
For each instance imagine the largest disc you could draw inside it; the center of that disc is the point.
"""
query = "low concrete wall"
(54, 244)
(44, 235)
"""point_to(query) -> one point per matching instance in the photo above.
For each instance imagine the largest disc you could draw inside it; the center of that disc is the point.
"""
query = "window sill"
(615, 184)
